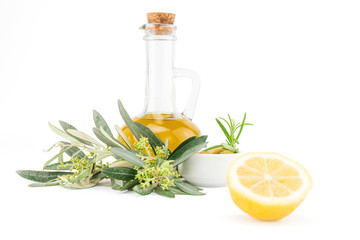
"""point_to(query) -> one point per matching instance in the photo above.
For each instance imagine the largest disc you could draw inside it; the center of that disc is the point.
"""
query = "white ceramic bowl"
(207, 170)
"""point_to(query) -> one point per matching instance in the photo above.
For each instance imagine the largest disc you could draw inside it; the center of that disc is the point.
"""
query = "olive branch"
(146, 166)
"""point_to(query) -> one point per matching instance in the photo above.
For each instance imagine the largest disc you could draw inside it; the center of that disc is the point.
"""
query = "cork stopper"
(160, 23)
(161, 17)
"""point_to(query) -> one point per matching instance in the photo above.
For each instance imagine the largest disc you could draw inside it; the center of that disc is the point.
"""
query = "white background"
(293, 66)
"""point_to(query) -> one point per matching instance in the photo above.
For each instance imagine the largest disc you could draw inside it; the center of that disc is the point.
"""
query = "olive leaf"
(84, 136)
(128, 156)
(113, 140)
(63, 134)
(81, 184)
(120, 173)
(186, 146)
(129, 185)
(48, 150)
(73, 151)
(139, 190)
(176, 190)
(100, 156)
(128, 121)
(101, 123)
(59, 166)
(116, 184)
(123, 136)
(144, 131)
(37, 184)
(120, 163)
(98, 175)
(187, 188)
(139, 130)
(166, 149)
(188, 150)
(64, 149)
(101, 137)
(41, 176)
(66, 126)
(165, 193)
(82, 175)
(182, 145)
(61, 158)
(108, 140)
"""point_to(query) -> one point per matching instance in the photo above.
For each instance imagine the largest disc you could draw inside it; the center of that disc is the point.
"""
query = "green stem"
(209, 148)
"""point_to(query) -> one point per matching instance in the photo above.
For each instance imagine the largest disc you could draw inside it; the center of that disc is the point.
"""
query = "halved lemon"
(267, 186)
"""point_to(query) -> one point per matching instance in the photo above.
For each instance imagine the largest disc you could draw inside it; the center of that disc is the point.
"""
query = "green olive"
(226, 152)
(216, 150)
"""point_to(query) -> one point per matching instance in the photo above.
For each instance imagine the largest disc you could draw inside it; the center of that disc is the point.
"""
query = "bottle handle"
(191, 104)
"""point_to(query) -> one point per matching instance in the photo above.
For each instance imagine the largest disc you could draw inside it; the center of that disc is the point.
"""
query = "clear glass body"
(160, 114)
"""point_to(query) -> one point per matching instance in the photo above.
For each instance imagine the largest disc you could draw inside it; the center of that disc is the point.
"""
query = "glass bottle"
(160, 114)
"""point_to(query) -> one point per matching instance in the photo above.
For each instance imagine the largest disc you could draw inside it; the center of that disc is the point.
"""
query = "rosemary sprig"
(232, 134)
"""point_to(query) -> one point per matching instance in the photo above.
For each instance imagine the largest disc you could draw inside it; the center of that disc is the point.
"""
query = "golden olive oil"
(165, 126)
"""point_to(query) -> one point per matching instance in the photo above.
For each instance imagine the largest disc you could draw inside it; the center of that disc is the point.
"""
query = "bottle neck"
(160, 90)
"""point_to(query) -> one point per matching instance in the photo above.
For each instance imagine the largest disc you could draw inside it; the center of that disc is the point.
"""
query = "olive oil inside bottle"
(165, 126)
